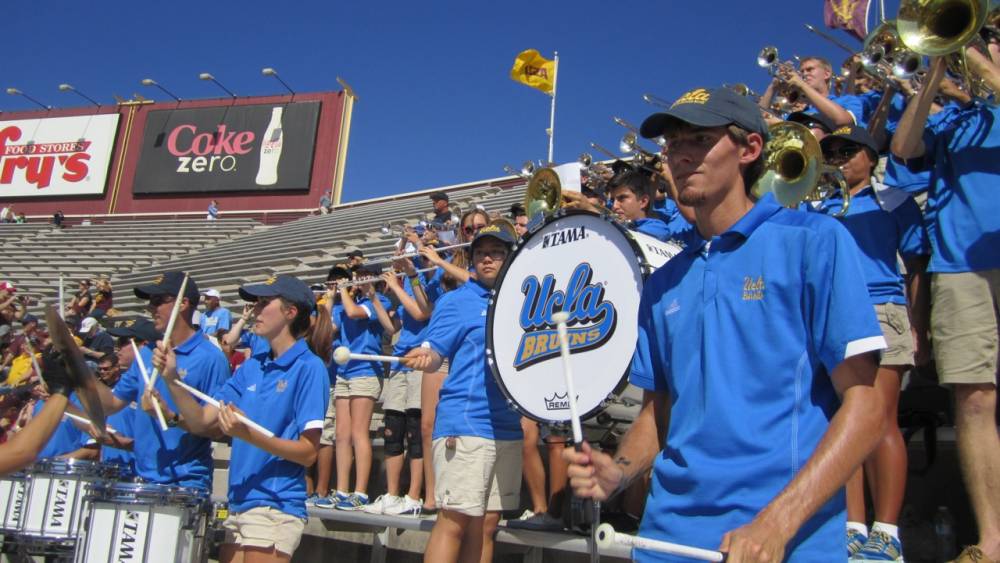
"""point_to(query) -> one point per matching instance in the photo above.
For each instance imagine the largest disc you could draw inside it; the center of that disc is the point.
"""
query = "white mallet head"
(560, 317)
(342, 355)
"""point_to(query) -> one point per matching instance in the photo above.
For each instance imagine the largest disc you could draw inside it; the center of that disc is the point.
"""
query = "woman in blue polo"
(286, 392)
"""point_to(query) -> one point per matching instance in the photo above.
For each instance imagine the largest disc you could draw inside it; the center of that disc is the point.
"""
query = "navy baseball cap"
(813, 120)
(436, 196)
(853, 134)
(134, 327)
(169, 283)
(492, 231)
(285, 286)
(707, 108)
(29, 318)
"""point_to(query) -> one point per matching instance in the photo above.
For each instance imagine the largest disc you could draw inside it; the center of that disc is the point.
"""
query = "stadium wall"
(170, 157)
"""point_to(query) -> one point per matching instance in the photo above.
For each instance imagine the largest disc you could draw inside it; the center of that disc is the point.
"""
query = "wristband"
(415, 281)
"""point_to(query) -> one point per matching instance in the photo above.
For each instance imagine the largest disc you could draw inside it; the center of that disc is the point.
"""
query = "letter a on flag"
(532, 69)
(849, 15)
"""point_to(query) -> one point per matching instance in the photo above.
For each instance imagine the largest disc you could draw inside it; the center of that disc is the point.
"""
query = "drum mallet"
(607, 536)
(145, 378)
(169, 333)
(343, 354)
(242, 418)
(560, 318)
(85, 421)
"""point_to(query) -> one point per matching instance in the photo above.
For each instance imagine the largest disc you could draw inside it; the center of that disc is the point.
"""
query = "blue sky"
(436, 105)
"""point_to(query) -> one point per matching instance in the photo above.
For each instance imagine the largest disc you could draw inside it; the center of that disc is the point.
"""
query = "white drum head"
(587, 266)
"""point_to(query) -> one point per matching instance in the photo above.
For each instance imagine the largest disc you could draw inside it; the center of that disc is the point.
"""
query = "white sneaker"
(383, 504)
(526, 514)
(407, 507)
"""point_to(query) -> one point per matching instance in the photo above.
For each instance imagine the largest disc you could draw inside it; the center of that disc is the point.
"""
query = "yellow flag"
(532, 69)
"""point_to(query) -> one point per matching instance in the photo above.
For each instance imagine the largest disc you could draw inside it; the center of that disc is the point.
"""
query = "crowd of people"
(771, 350)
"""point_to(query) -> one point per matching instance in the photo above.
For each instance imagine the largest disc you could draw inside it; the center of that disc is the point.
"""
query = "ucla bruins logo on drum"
(592, 320)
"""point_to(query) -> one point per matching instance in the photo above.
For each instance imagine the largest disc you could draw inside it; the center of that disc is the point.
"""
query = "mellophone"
(83, 509)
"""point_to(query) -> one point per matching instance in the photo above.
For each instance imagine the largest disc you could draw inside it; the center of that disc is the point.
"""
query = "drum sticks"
(168, 334)
(606, 537)
(149, 385)
(198, 394)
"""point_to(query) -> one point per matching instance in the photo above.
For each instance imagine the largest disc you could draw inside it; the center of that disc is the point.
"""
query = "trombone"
(794, 170)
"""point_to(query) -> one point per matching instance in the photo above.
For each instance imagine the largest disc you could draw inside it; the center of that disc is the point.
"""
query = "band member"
(360, 327)
(753, 436)
(813, 81)
(632, 194)
(22, 449)
(963, 218)
(240, 336)
(402, 396)
(477, 437)
(883, 223)
(117, 447)
(176, 456)
(520, 219)
(285, 391)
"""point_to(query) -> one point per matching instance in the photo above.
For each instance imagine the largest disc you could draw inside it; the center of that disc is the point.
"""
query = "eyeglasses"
(472, 229)
(157, 300)
(842, 152)
(496, 255)
(105, 368)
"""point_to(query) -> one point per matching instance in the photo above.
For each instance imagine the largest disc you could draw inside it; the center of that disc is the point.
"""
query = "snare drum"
(11, 502)
(144, 522)
(591, 267)
(54, 497)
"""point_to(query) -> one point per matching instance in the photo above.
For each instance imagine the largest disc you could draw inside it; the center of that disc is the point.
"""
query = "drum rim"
(72, 467)
(132, 493)
(515, 250)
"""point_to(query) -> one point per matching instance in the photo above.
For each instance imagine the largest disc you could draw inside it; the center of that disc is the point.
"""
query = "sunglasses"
(157, 300)
(843, 152)
(472, 229)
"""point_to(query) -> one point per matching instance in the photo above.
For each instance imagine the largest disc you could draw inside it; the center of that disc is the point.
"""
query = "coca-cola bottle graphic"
(270, 150)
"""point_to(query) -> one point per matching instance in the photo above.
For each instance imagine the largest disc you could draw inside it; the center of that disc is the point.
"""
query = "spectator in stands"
(12, 401)
(29, 325)
(402, 396)
(79, 304)
(7, 214)
(58, 218)
(360, 326)
(443, 218)
(215, 320)
(325, 203)
(355, 258)
(477, 437)
(117, 446)
(520, 218)
(20, 219)
(21, 369)
(103, 298)
(96, 341)
(286, 391)
(213, 211)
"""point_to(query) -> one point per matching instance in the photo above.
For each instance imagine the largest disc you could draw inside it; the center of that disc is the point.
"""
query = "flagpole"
(552, 114)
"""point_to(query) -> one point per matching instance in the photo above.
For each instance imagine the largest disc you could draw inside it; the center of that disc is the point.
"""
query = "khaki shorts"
(895, 323)
(329, 435)
(264, 527)
(964, 326)
(402, 391)
(366, 386)
(468, 478)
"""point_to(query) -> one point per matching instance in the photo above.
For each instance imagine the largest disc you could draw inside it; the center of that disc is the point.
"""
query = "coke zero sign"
(231, 148)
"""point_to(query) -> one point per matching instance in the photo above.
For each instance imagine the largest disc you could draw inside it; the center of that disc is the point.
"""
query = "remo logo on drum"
(592, 320)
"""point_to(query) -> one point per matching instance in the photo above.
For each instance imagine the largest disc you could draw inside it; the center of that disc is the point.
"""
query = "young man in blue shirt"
(813, 81)
(215, 320)
(885, 222)
(175, 456)
(285, 391)
(963, 221)
(477, 437)
(757, 353)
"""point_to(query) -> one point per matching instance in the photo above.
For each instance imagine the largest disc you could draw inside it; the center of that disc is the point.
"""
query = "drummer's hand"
(230, 424)
(165, 361)
(592, 474)
(146, 403)
(418, 359)
(576, 200)
(760, 541)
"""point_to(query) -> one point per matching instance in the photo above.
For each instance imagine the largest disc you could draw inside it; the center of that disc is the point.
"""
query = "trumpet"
(527, 169)
(883, 54)
(786, 99)
(795, 171)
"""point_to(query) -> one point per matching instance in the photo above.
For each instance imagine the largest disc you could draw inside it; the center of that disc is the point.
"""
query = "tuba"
(794, 170)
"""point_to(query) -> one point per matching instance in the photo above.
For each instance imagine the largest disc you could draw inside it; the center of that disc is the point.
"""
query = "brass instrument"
(544, 193)
(795, 171)
(883, 54)
(785, 99)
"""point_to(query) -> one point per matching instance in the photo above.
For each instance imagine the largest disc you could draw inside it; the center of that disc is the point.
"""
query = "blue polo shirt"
(653, 227)
(411, 332)
(851, 103)
(896, 173)
(666, 209)
(287, 395)
(742, 332)
(882, 223)
(66, 438)
(174, 457)
(362, 336)
(123, 422)
(211, 322)
(470, 402)
(256, 344)
(963, 210)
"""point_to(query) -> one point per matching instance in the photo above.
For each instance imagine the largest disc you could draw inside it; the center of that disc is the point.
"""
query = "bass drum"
(591, 267)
